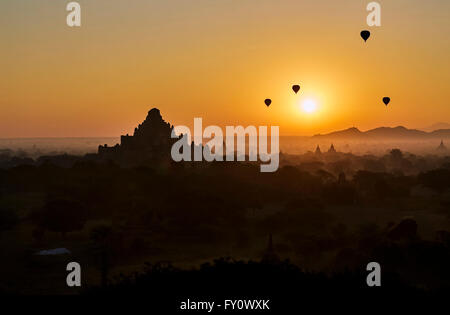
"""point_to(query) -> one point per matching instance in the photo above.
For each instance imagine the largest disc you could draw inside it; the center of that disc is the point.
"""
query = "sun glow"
(309, 105)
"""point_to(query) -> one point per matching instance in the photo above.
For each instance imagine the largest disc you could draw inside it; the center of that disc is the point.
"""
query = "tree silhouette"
(62, 216)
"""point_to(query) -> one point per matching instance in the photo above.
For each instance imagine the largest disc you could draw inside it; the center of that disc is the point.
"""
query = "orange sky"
(219, 60)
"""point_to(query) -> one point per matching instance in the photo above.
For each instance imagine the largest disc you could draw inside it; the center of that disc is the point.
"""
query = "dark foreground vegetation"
(330, 219)
(284, 285)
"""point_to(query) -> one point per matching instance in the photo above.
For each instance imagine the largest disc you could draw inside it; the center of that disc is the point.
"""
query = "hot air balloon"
(268, 101)
(296, 88)
(365, 35)
(386, 100)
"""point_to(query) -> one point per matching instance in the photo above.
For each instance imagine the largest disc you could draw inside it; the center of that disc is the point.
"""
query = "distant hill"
(399, 132)
(442, 133)
(347, 133)
(437, 126)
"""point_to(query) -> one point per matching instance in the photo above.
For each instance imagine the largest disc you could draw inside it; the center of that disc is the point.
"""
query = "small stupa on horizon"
(332, 149)
(318, 150)
(441, 146)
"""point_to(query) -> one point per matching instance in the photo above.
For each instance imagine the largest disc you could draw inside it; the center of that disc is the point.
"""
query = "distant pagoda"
(441, 146)
(318, 150)
(332, 149)
(270, 256)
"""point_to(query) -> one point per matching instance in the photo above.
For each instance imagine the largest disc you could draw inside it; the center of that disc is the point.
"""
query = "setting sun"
(309, 105)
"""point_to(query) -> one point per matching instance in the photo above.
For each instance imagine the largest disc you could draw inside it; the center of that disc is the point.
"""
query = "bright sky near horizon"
(219, 60)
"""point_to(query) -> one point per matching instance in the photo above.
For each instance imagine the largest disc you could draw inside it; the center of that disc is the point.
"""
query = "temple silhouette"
(331, 150)
(150, 143)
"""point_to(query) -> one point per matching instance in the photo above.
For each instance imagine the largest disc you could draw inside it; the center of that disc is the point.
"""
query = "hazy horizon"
(425, 129)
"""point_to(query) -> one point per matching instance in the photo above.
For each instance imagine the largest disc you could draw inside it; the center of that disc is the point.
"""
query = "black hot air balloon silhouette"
(365, 35)
(268, 101)
(296, 88)
(386, 100)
